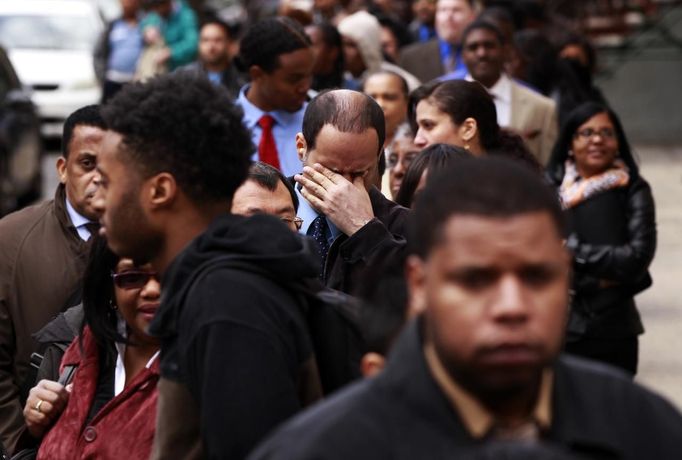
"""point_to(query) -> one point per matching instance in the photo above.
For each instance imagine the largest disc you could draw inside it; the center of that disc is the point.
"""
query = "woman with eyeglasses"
(108, 410)
(611, 234)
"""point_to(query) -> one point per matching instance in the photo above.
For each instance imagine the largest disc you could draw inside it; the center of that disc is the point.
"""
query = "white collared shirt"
(79, 221)
(501, 93)
(120, 371)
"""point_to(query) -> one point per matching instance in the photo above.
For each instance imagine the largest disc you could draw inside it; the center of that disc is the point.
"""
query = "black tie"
(93, 228)
(320, 231)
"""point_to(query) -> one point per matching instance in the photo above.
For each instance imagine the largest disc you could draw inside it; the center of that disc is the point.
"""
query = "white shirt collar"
(78, 221)
(120, 371)
(502, 89)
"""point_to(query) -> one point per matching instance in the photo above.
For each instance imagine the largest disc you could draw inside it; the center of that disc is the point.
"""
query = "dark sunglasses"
(132, 279)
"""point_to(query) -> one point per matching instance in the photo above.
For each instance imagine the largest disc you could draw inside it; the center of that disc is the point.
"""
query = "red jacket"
(124, 427)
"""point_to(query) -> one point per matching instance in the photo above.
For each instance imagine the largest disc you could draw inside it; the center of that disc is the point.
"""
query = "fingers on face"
(318, 177)
(313, 200)
(330, 175)
(309, 185)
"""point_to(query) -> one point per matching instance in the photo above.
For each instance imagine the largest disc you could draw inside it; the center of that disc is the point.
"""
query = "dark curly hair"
(266, 40)
(186, 126)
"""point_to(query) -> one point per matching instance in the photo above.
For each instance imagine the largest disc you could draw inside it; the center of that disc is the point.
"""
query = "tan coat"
(42, 259)
(534, 117)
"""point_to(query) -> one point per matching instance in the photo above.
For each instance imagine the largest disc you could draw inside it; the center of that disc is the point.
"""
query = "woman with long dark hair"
(611, 234)
(110, 406)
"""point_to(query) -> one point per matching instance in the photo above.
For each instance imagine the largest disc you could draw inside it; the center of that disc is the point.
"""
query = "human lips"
(148, 310)
(511, 355)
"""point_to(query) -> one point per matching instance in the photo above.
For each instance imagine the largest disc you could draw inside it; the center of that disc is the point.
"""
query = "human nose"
(151, 290)
(419, 139)
(510, 305)
(98, 198)
(399, 168)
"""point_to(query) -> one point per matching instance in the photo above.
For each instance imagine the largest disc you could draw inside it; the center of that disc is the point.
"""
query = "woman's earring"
(466, 146)
(570, 153)
(112, 305)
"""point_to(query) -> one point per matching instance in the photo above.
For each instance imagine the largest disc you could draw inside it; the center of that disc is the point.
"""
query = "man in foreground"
(235, 358)
(481, 367)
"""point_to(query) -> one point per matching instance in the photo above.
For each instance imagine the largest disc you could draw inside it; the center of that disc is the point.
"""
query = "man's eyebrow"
(287, 208)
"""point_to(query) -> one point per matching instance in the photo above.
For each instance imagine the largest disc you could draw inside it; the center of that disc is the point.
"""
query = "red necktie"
(267, 149)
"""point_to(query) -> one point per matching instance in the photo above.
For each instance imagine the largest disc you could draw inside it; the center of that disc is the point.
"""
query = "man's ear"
(415, 275)
(61, 169)
(468, 129)
(301, 146)
(161, 191)
(371, 364)
(255, 72)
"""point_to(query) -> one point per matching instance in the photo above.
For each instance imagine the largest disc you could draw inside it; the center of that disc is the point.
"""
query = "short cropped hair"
(214, 21)
(404, 87)
(85, 116)
(268, 177)
(485, 25)
(487, 187)
(347, 111)
(266, 40)
(186, 126)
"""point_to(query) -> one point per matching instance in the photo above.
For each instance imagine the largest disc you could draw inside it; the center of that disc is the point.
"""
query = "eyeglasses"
(132, 279)
(297, 221)
(604, 133)
(392, 160)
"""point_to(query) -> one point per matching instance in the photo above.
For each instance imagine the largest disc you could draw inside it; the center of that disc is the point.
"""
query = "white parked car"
(50, 44)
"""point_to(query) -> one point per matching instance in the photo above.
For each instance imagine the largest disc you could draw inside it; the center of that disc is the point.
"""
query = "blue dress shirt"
(446, 51)
(287, 125)
(308, 214)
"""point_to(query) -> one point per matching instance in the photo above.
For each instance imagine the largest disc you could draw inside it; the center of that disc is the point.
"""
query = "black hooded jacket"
(235, 351)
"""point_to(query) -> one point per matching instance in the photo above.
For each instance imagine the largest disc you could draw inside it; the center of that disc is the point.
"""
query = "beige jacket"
(534, 117)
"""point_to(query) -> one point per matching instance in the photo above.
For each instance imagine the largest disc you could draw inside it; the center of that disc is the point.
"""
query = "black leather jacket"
(612, 236)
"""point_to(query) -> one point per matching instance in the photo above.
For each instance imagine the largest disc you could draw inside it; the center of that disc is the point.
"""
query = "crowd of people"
(359, 229)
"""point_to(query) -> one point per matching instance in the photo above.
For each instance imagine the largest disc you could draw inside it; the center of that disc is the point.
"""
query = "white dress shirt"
(501, 93)
(79, 221)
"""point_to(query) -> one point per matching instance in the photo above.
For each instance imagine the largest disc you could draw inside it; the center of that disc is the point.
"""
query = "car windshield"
(47, 32)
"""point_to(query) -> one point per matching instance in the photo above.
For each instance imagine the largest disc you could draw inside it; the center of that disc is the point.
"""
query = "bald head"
(345, 110)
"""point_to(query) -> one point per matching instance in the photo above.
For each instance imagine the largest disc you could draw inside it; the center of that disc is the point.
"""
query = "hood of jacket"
(365, 31)
(260, 243)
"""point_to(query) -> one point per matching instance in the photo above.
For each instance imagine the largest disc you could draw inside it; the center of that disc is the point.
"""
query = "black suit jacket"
(383, 238)
(597, 412)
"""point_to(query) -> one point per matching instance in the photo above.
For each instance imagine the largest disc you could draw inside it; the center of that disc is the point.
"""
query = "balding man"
(354, 225)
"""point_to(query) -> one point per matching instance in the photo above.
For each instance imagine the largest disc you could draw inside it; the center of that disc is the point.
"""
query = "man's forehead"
(481, 35)
(533, 236)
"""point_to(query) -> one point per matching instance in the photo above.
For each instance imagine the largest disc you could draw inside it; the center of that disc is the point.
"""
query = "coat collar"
(574, 422)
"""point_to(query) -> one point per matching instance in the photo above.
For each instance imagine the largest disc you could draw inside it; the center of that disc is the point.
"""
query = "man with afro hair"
(235, 352)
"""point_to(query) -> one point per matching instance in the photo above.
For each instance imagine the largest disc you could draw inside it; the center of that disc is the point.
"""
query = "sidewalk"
(660, 357)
